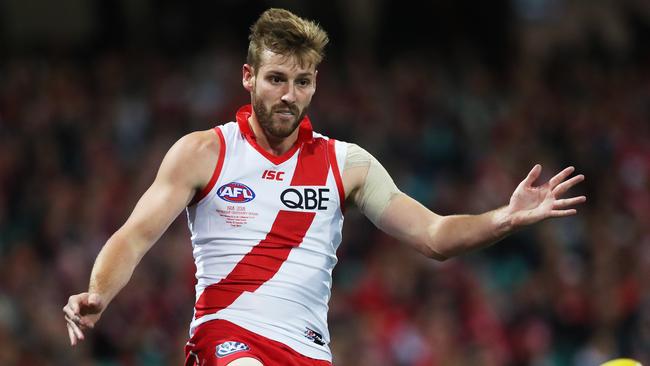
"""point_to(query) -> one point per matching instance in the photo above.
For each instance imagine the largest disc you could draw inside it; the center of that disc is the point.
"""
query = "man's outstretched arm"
(446, 236)
(186, 168)
(442, 237)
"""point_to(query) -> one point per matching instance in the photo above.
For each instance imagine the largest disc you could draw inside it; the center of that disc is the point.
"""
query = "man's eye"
(304, 82)
(275, 79)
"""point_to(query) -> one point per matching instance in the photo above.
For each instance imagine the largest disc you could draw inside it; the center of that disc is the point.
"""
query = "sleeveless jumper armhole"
(217, 170)
(331, 151)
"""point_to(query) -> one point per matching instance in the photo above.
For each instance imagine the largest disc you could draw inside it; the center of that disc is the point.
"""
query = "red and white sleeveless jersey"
(264, 234)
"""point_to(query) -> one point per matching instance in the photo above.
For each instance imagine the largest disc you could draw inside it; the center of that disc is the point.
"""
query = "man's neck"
(271, 144)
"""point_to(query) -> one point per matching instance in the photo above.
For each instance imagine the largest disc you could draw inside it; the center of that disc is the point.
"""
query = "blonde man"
(264, 196)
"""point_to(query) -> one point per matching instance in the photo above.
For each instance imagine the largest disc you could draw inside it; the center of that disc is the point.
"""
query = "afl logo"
(235, 192)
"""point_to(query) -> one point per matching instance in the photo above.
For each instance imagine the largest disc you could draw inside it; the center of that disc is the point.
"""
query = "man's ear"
(248, 77)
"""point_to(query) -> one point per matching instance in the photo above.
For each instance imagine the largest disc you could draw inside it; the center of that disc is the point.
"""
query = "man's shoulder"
(196, 150)
(194, 157)
(199, 142)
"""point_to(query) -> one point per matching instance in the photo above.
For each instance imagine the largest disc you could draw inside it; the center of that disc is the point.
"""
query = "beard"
(278, 127)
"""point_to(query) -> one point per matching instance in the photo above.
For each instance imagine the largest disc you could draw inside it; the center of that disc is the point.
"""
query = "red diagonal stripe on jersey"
(259, 265)
(287, 232)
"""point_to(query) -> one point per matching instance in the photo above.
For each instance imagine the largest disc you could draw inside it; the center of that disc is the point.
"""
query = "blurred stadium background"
(457, 98)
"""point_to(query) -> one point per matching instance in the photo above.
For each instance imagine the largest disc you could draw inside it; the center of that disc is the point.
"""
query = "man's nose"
(289, 95)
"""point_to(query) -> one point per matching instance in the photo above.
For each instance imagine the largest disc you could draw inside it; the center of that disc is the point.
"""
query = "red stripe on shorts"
(287, 232)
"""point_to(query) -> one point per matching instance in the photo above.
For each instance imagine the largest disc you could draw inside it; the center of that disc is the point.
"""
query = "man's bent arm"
(153, 214)
(186, 169)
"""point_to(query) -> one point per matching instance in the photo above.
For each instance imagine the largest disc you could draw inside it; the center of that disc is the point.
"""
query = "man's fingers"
(85, 322)
(77, 322)
(94, 300)
(569, 202)
(75, 328)
(559, 177)
(533, 175)
(73, 304)
(91, 302)
(565, 186)
(73, 338)
(70, 314)
(563, 213)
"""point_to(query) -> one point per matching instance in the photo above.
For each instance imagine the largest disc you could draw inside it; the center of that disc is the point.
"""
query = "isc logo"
(235, 192)
(273, 175)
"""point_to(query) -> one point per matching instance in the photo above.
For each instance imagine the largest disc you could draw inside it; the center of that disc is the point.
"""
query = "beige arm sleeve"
(377, 188)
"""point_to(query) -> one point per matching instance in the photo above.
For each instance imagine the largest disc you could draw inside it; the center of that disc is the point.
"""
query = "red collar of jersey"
(305, 132)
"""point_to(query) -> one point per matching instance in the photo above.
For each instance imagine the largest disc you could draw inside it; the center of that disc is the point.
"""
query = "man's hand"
(82, 312)
(530, 204)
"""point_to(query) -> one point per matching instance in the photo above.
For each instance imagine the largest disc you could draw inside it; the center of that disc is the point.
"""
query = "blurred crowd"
(81, 139)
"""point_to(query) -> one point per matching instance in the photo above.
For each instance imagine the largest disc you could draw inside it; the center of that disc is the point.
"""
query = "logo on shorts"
(314, 336)
(230, 347)
(235, 192)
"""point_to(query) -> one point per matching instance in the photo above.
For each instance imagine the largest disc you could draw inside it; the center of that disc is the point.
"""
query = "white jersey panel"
(286, 303)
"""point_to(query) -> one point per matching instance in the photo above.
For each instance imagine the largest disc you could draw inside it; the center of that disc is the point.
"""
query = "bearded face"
(281, 91)
(280, 120)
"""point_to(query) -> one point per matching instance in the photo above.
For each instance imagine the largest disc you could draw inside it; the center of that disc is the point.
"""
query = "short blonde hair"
(282, 32)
